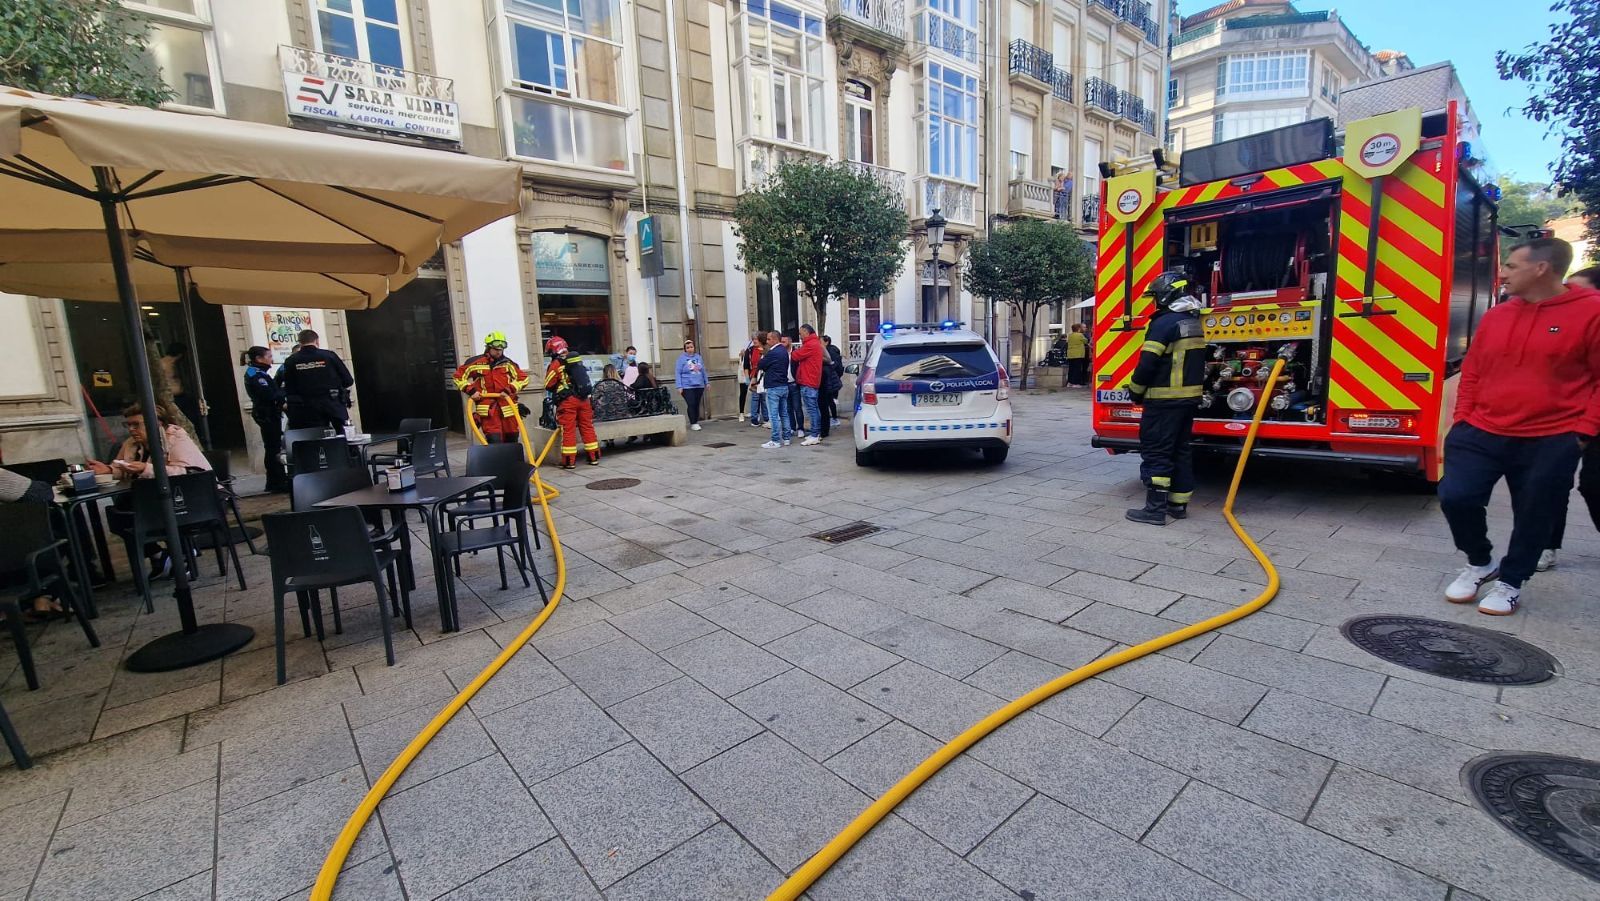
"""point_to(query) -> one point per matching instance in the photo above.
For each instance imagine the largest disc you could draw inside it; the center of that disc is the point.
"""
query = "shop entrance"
(403, 355)
(573, 275)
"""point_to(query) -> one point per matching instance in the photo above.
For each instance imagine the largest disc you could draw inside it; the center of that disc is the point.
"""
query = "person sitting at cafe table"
(19, 489)
(133, 462)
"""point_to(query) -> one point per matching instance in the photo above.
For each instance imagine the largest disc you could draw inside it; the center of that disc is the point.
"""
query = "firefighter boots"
(594, 458)
(1178, 511)
(1154, 511)
(569, 461)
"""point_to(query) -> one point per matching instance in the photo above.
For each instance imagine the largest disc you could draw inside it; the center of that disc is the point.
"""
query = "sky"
(1467, 33)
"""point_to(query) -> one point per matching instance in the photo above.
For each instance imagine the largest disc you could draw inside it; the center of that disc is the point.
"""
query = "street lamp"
(936, 225)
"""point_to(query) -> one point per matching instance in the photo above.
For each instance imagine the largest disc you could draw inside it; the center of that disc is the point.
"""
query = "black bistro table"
(427, 496)
(66, 505)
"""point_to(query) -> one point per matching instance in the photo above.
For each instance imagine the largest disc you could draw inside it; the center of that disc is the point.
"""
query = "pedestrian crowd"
(793, 389)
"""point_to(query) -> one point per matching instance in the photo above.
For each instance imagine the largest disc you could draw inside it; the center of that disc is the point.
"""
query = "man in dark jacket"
(316, 386)
(1527, 405)
(774, 369)
(832, 381)
(1168, 381)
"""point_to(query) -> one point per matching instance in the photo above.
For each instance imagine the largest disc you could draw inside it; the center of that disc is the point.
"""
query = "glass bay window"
(781, 67)
(565, 97)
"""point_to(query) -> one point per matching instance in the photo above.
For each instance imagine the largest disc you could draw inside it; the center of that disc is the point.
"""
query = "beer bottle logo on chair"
(318, 550)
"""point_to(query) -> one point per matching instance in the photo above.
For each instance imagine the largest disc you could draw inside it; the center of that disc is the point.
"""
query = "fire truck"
(1363, 251)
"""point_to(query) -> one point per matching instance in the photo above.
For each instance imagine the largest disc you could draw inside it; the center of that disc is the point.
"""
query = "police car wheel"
(863, 458)
(994, 456)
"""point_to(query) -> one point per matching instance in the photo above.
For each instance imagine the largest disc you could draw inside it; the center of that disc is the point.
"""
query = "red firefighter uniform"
(493, 381)
(569, 382)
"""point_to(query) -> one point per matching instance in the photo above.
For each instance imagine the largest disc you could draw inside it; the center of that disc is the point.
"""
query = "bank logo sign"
(347, 103)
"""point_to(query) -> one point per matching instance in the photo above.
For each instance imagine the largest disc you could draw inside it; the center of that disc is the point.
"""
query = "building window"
(565, 94)
(371, 30)
(1061, 44)
(781, 68)
(863, 315)
(182, 50)
(1022, 20)
(1331, 84)
(1268, 73)
(1172, 91)
(1021, 147)
(859, 135)
(952, 106)
(1233, 124)
(950, 27)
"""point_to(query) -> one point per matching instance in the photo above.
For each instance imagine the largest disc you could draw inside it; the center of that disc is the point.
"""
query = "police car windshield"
(935, 361)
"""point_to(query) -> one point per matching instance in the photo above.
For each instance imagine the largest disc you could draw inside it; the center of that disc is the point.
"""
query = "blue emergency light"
(889, 328)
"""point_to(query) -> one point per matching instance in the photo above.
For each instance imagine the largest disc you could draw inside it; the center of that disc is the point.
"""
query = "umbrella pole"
(186, 306)
(195, 644)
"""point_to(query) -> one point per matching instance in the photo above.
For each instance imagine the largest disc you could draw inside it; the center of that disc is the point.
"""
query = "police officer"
(316, 386)
(1167, 381)
(266, 408)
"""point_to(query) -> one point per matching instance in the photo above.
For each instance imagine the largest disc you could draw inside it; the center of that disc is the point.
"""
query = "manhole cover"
(849, 532)
(611, 484)
(720, 444)
(1464, 653)
(1550, 802)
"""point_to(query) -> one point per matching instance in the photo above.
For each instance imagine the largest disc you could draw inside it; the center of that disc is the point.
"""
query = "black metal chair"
(499, 535)
(292, 437)
(13, 741)
(428, 453)
(402, 446)
(499, 461)
(222, 465)
(311, 488)
(325, 549)
(33, 563)
(197, 505)
(317, 454)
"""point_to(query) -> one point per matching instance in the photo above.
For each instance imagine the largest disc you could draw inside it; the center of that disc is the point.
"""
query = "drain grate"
(1463, 653)
(720, 444)
(848, 532)
(1550, 802)
(611, 484)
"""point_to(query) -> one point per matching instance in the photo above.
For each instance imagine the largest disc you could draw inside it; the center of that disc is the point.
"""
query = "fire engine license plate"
(1113, 396)
(935, 400)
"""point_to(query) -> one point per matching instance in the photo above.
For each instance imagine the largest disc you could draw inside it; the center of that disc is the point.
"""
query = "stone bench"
(672, 425)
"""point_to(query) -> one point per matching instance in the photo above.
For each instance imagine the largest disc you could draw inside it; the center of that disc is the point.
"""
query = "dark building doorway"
(403, 355)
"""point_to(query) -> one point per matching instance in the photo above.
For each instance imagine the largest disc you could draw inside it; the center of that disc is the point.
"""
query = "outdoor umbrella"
(270, 199)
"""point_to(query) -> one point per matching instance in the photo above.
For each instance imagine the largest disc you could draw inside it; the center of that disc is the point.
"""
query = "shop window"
(182, 50)
(572, 273)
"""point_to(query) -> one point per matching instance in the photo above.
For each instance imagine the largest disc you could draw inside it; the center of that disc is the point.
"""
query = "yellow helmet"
(495, 339)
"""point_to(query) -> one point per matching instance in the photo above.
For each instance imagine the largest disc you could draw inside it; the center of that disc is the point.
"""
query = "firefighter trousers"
(576, 416)
(497, 427)
(1166, 432)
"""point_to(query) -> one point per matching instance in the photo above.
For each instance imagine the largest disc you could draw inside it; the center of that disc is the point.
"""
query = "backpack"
(579, 377)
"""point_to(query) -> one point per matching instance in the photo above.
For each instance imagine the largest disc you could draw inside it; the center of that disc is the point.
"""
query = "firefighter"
(1167, 381)
(493, 381)
(316, 385)
(568, 381)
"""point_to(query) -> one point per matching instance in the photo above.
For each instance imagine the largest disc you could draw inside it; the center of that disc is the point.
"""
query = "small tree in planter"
(831, 228)
(1029, 265)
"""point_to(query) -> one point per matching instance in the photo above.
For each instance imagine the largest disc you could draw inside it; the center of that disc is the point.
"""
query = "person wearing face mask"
(628, 372)
(493, 381)
(266, 408)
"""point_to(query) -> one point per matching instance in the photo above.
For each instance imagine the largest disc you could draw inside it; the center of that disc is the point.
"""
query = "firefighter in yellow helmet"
(493, 381)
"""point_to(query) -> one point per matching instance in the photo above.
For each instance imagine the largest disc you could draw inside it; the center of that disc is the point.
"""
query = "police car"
(926, 385)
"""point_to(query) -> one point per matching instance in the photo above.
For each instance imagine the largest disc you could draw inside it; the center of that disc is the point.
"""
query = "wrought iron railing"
(303, 61)
(1091, 206)
(1034, 62)
(947, 36)
(1061, 84)
(884, 16)
(1194, 34)
(1103, 94)
(893, 179)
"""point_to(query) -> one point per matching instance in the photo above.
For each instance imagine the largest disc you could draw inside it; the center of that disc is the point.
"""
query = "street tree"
(830, 228)
(70, 47)
(1530, 203)
(1564, 75)
(1030, 265)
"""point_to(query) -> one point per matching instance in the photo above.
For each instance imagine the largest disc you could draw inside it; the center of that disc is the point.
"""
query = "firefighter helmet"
(556, 346)
(1171, 291)
(495, 339)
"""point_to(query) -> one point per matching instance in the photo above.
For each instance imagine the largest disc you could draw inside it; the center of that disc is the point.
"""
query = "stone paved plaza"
(718, 694)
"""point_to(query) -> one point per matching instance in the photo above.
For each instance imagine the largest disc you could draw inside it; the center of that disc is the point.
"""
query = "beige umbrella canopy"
(205, 196)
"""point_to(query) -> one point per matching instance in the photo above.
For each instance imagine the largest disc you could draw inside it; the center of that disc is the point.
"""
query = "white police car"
(926, 385)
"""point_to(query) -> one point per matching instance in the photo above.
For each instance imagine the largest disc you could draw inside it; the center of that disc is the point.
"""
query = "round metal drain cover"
(1550, 802)
(1453, 651)
(611, 484)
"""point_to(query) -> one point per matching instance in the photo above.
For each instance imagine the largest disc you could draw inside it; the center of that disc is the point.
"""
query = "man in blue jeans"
(808, 359)
(774, 367)
(1527, 405)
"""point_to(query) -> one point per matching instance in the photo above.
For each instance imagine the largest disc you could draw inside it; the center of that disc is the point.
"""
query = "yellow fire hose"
(819, 863)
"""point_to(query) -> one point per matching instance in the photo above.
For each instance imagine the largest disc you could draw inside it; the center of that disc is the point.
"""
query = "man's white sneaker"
(773, 444)
(786, 442)
(1501, 600)
(741, 417)
(810, 441)
(1464, 590)
(1547, 561)
(695, 427)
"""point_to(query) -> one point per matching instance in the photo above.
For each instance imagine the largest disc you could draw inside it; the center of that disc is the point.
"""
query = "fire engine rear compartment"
(1264, 265)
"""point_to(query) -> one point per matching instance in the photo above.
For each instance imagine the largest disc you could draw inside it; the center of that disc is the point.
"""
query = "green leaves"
(67, 47)
(1031, 264)
(831, 228)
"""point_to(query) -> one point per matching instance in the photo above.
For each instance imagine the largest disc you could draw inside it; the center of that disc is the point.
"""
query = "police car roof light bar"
(948, 325)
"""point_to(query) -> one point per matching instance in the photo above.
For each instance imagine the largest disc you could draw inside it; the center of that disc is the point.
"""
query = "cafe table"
(66, 505)
(427, 496)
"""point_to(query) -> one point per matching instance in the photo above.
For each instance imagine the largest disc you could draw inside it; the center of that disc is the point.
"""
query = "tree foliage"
(1530, 203)
(1030, 265)
(831, 228)
(67, 47)
(1564, 75)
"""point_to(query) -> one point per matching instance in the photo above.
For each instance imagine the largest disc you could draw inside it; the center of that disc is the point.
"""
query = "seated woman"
(611, 399)
(133, 462)
(649, 397)
(19, 489)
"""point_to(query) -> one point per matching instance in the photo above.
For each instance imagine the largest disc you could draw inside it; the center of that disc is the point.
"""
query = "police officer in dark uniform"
(316, 386)
(266, 408)
(1167, 381)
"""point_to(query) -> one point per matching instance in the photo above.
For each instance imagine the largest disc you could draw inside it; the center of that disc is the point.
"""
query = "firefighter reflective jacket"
(568, 378)
(1172, 361)
(482, 376)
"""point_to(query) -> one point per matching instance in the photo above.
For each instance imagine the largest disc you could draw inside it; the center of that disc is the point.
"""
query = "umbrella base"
(179, 650)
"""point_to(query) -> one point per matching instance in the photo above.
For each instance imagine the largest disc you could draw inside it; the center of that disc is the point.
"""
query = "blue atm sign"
(650, 261)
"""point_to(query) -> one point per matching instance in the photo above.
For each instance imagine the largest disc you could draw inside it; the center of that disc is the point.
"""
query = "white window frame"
(967, 129)
(1023, 131)
(512, 88)
(1062, 51)
(1023, 30)
(1173, 92)
(358, 15)
(1269, 75)
(200, 22)
(855, 110)
(858, 332)
(762, 74)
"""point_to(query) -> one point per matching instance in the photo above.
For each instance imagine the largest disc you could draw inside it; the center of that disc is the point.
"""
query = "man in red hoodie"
(807, 359)
(1527, 404)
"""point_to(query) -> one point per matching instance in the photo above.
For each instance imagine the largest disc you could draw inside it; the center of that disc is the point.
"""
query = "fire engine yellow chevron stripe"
(1346, 358)
(1423, 182)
